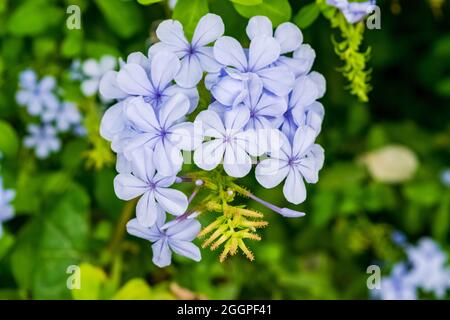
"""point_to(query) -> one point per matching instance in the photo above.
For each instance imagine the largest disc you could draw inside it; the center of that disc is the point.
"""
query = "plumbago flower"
(6, 209)
(157, 197)
(264, 104)
(175, 237)
(65, 115)
(36, 95)
(353, 11)
(43, 139)
(196, 57)
(426, 269)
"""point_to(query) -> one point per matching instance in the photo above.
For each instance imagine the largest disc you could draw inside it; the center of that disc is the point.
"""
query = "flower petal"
(289, 37)
(173, 110)
(209, 29)
(186, 230)
(229, 52)
(209, 154)
(278, 80)
(236, 162)
(172, 201)
(133, 79)
(210, 124)
(227, 91)
(167, 158)
(136, 229)
(190, 73)
(236, 119)
(303, 140)
(142, 163)
(147, 210)
(164, 67)
(294, 188)
(259, 26)
(128, 187)
(205, 56)
(109, 88)
(171, 33)
(113, 121)
(270, 172)
(142, 116)
(162, 256)
(186, 249)
(263, 51)
(184, 137)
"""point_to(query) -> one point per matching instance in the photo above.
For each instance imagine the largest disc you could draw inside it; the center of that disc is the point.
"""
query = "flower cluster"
(353, 11)
(6, 209)
(426, 270)
(264, 104)
(41, 100)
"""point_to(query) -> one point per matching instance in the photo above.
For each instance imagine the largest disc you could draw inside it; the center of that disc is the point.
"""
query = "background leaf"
(278, 11)
(307, 15)
(188, 12)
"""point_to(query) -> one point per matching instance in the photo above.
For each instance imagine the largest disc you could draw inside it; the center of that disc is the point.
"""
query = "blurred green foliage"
(67, 213)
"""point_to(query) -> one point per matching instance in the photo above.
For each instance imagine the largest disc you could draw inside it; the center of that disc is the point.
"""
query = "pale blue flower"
(176, 237)
(93, 71)
(228, 86)
(36, 95)
(445, 177)
(75, 72)
(65, 116)
(6, 209)
(295, 161)
(397, 286)
(161, 131)
(152, 186)
(43, 140)
(196, 57)
(287, 34)
(230, 143)
(303, 109)
(429, 270)
(301, 61)
(353, 11)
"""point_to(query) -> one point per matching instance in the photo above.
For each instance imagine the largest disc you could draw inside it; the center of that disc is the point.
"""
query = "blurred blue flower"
(196, 56)
(93, 71)
(36, 95)
(445, 177)
(65, 116)
(163, 131)
(6, 209)
(397, 286)
(429, 270)
(353, 11)
(296, 160)
(144, 181)
(176, 237)
(42, 139)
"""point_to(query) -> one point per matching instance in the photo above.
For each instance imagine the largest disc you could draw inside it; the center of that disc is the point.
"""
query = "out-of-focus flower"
(196, 56)
(157, 198)
(397, 286)
(93, 71)
(177, 237)
(36, 95)
(391, 164)
(445, 177)
(353, 11)
(6, 209)
(65, 116)
(429, 270)
(42, 139)
(296, 160)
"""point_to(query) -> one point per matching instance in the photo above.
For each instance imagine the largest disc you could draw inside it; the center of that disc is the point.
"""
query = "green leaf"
(72, 44)
(188, 12)
(124, 18)
(278, 11)
(135, 289)
(147, 2)
(34, 17)
(307, 15)
(247, 2)
(91, 282)
(54, 240)
(441, 222)
(9, 142)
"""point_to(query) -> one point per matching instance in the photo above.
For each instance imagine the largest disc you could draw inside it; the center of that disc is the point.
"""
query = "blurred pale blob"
(391, 164)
